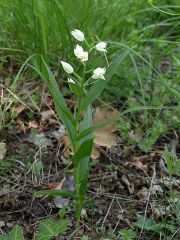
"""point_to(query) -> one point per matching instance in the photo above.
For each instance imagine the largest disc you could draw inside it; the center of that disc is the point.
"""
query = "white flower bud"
(78, 35)
(98, 73)
(80, 53)
(101, 46)
(67, 67)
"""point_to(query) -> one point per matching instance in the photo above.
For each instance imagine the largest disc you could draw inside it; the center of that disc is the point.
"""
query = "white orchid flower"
(67, 67)
(70, 80)
(98, 73)
(80, 53)
(78, 35)
(101, 46)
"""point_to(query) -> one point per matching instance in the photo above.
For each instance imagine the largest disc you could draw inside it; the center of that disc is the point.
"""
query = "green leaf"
(63, 112)
(84, 238)
(83, 151)
(74, 88)
(115, 64)
(50, 228)
(83, 186)
(147, 224)
(38, 167)
(54, 192)
(85, 124)
(93, 93)
(128, 234)
(15, 234)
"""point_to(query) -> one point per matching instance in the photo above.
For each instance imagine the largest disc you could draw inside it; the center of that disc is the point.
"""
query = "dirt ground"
(118, 191)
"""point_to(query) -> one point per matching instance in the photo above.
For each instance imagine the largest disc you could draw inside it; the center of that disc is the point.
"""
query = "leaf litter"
(131, 181)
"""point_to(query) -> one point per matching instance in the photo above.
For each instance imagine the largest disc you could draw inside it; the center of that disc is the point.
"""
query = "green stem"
(81, 93)
(78, 204)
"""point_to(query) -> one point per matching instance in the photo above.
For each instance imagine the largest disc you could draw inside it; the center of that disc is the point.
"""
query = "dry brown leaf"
(2, 150)
(105, 136)
(21, 126)
(142, 194)
(40, 140)
(159, 211)
(46, 115)
(2, 224)
(67, 149)
(33, 124)
(95, 154)
(156, 190)
(66, 146)
(137, 165)
(163, 167)
(20, 108)
(129, 185)
(67, 183)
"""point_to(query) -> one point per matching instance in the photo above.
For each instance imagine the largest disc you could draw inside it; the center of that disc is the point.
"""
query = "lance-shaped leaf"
(56, 192)
(83, 151)
(63, 112)
(100, 85)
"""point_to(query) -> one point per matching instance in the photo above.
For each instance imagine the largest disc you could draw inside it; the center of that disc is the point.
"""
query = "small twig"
(108, 211)
(148, 198)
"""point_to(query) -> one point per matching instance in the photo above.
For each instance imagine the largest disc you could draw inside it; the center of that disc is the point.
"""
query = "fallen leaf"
(40, 140)
(61, 202)
(21, 126)
(142, 194)
(156, 189)
(33, 124)
(59, 133)
(129, 185)
(67, 183)
(46, 115)
(20, 108)
(160, 211)
(105, 136)
(163, 167)
(2, 224)
(137, 165)
(66, 146)
(84, 213)
(95, 154)
(2, 150)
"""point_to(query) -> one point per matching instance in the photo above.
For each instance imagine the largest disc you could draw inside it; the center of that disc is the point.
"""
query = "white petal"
(101, 46)
(78, 35)
(80, 53)
(84, 56)
(98, 73)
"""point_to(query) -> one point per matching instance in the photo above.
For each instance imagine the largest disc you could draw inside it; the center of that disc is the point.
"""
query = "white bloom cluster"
(79, 52)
